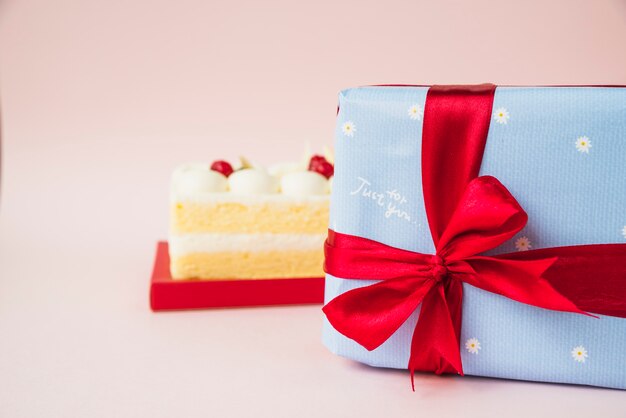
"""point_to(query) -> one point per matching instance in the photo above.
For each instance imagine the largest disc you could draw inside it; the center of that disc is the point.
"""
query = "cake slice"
(250, 223)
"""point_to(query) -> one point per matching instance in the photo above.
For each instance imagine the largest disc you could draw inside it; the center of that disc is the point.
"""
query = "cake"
(249, 223)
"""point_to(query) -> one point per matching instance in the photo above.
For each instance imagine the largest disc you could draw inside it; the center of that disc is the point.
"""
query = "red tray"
(167, 294)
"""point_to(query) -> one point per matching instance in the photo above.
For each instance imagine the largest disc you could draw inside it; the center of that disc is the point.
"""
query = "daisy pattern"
(416, 112)
(523, 244)
(348, 128)
(583, 144)
(579, 354)
(501, 116)
(472, 345)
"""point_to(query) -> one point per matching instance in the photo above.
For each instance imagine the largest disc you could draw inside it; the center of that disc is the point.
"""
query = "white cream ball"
(197, 179)
(252, 181)
(304, 183)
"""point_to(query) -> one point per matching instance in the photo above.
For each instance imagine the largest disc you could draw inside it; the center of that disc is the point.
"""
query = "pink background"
(101, 99)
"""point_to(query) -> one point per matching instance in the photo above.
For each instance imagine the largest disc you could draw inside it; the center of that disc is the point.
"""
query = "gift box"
(480, 230)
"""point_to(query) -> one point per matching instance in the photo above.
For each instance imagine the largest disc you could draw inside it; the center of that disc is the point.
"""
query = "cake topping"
(223, 167)
(245, 163)
(320, 165)
(329, 155)
(252, 181)
(304, 183)
(197, 179)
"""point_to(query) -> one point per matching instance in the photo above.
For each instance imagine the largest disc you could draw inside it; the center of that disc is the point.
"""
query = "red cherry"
(223, 167)
(326, 169)
(319, 165)
(316, 159)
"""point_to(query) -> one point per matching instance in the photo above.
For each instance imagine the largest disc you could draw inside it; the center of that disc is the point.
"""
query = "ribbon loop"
(371, 314)
(351, 256)
(487, 215)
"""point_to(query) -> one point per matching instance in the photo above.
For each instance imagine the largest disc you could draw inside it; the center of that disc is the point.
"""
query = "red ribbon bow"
(486, 217)
(468, 215)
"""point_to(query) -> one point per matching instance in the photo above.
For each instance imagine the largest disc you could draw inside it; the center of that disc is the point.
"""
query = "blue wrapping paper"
(561, 152)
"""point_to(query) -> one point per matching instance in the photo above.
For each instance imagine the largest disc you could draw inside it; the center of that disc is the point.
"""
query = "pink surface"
(101, 100)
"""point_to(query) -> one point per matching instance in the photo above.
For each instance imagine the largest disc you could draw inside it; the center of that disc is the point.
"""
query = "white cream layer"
(229, 197)
(182, 244)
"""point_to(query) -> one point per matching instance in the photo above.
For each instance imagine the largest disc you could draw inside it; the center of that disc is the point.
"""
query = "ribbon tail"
(454, 299)
(519, 280)
(370, 315)
(435, 343)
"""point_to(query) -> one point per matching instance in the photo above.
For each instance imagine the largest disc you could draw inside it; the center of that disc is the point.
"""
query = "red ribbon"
(467, 215)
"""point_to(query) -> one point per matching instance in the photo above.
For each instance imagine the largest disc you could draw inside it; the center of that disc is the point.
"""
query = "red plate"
(167, 294)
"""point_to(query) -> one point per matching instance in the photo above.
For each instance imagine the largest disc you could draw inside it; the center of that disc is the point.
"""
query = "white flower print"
(523, 244)
(501, 115)
(472, 345)
(583, 144)
(416, 112)
(624, 231)
(348, 128)
(579, 354)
